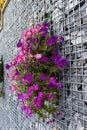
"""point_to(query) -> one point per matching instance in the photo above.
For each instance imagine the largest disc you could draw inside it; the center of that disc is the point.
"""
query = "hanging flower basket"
(33, 71)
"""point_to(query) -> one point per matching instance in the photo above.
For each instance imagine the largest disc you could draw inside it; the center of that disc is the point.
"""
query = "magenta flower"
(35, 87)
(26, 95)
(42, 77)
(52, 80)
(7, 66)
(40, 94)
(20, 96)
(23, 108)
(29, 89)
(49, 95)
(59, 84)
(28, 111)
(28, 78)
(36, 102)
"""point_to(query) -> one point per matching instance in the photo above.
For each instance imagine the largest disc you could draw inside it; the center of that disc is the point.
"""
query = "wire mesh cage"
(67, 18)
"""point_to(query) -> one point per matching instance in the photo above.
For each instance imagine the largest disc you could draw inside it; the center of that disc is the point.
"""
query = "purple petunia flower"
(34, 39)
(7, 66)
(50, 85)
(43, 34)
(52, 80)
(46, 24)
(49, 95)
(59, 84)
(43, 29)
(44, 59)
(28, 78)
(35, 87)
(51, 40)
(56, 59)
(26, 65)
(17, 72)
(53, 52)
(42, 77)
(19, 43)
(62, 62)
(61, 39)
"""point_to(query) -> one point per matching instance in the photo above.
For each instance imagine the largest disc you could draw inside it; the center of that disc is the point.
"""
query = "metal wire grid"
(74, 90)
(68, 18)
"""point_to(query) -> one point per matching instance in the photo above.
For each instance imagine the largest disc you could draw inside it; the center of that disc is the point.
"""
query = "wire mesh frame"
(68, 18)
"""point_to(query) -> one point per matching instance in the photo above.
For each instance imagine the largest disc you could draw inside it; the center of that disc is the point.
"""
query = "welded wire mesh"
(67, 18)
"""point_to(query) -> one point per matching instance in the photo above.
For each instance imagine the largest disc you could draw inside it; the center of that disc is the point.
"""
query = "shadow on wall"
(1, 78)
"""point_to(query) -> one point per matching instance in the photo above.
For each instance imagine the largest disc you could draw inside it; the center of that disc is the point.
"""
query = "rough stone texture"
(69, 18)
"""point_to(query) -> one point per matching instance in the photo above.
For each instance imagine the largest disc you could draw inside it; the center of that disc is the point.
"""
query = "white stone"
(75, 123)
(84, 55)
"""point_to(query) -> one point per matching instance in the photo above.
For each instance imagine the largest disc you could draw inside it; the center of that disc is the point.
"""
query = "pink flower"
(17, 59)
(23, 80)
(38, 56)
(32, 30)
(30, 56)
(37, 26)
(14, 77)
(12, 63)
(12, 88)
(23, 35)
(23, 58)
(28, 32)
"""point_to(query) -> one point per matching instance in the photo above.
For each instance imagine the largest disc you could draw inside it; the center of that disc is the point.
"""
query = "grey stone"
(75, 123)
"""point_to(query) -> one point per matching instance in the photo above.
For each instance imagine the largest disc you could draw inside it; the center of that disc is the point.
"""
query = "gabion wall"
(69, 18)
